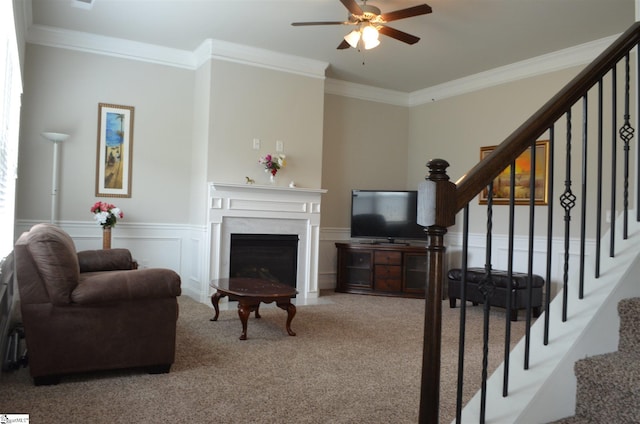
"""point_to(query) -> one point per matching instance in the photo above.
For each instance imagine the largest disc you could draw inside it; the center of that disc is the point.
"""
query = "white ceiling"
(460, 38)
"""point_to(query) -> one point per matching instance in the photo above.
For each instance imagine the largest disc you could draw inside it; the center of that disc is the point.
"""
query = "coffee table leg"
(244, 311)
(291, 312)
(214, 301)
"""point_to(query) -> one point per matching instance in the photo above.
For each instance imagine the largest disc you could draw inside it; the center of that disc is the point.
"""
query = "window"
(10, 92)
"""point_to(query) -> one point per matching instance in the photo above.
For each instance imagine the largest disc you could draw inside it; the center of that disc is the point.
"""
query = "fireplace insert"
(273, 257)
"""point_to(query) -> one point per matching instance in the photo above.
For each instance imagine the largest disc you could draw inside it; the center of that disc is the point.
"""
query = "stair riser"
(629, 311)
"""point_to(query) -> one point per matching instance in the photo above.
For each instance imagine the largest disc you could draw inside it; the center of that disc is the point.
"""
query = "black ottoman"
(498, 297)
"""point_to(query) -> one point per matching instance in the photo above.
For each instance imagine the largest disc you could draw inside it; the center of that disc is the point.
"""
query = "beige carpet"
(355, 360)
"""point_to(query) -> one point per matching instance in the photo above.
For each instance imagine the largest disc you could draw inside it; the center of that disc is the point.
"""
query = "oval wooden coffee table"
(249, 292)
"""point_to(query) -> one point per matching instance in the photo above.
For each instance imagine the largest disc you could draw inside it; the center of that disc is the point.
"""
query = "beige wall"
(365, 147)
(190, 127)
(61, 93)
(454, 129)
(249, 102)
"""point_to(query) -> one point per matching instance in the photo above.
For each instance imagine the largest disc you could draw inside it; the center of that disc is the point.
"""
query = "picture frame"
(502, 185)
(114, 156)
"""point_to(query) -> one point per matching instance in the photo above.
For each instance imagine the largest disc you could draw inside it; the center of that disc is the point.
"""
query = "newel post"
(436, 211)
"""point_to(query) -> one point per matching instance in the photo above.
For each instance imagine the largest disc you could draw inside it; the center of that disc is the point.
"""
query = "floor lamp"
(55, 138)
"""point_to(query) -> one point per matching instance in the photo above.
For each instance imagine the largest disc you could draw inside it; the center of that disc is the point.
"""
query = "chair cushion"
(54, 254)
(148, 283)
(105, 260)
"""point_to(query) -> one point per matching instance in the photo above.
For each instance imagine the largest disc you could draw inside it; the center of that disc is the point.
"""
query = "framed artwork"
(522, 187)
(115, 149)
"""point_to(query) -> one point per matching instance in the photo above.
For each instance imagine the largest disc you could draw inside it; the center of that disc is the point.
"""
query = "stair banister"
(472, 183)
(451, 198)
(430, 384)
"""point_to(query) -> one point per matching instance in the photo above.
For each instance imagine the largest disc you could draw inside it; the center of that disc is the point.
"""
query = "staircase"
(609, 384)
(591, 163)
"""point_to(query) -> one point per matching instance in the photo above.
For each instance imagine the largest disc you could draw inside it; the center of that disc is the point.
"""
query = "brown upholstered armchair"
(90, 310)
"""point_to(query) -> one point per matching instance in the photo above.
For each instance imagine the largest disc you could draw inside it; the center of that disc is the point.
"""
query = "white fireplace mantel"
(259, 209)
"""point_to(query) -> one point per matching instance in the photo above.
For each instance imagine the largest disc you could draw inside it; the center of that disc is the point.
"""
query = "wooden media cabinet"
(381, 269)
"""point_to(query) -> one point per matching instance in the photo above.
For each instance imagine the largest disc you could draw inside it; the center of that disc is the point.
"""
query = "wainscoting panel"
(186, 250)
(327, 257)
(499, 255)
(477, 257)
(177, 247)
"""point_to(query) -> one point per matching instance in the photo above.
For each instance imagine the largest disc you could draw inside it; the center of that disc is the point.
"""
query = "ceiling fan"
(370, 22)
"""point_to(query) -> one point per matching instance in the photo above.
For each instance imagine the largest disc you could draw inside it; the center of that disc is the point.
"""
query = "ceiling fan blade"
(352, 6)
(398, 35)
(422, 9)
(319, 23)
(343, 45)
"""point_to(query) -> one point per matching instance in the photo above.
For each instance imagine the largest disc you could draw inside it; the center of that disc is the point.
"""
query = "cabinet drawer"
(386, 272)
(391, 258)
(388, 278)
(388, 284)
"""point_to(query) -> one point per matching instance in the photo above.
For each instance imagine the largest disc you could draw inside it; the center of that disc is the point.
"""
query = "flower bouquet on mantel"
(107, 215)
(272, 164)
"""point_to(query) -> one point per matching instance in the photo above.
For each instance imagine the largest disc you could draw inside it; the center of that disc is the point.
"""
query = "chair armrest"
(148, 283)
(105, 260)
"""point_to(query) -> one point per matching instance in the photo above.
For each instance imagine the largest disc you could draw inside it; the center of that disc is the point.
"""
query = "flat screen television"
(385, 214)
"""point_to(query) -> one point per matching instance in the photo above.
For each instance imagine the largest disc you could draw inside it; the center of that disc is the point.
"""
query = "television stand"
(387, 269)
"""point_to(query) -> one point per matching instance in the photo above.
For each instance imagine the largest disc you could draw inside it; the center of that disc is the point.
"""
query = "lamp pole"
(56, 139)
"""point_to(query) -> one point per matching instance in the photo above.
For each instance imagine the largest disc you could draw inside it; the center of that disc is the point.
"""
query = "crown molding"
(109, 46)
(556, 61)
(365, 92)
(562, 59)
(222, 50)
(209, 49)
(239, 53)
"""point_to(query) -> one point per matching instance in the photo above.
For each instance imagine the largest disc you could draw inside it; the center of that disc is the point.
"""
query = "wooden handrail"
(470, 184)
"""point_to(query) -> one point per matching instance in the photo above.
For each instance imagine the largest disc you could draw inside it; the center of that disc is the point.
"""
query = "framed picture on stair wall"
(522, 187)
(115, 149)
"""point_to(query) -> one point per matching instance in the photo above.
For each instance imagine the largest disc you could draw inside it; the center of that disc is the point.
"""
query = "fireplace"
(265, 210)
(273, 257)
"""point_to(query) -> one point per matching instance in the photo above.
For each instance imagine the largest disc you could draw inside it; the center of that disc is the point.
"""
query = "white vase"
(272, 179)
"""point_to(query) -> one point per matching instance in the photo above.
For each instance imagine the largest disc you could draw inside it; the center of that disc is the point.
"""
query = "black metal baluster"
(463, 312)
(626, 134)
(637, 120)
(599, 182)
(486, 289)
(583, 211)
(568, 201)
(550, 202)
(532, 208)
(614, 156)
(507, 337)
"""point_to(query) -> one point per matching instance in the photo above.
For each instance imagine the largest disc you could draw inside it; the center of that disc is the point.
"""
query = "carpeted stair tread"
(609, 388)
(609, 385)
(629, 311)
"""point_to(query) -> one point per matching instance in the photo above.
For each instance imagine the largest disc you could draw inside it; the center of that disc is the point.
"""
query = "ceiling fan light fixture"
(352, 38)
(370, 37)
(368, 45)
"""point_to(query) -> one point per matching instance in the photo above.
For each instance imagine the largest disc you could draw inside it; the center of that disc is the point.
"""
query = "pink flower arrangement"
(106, 214)
(273, 163)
